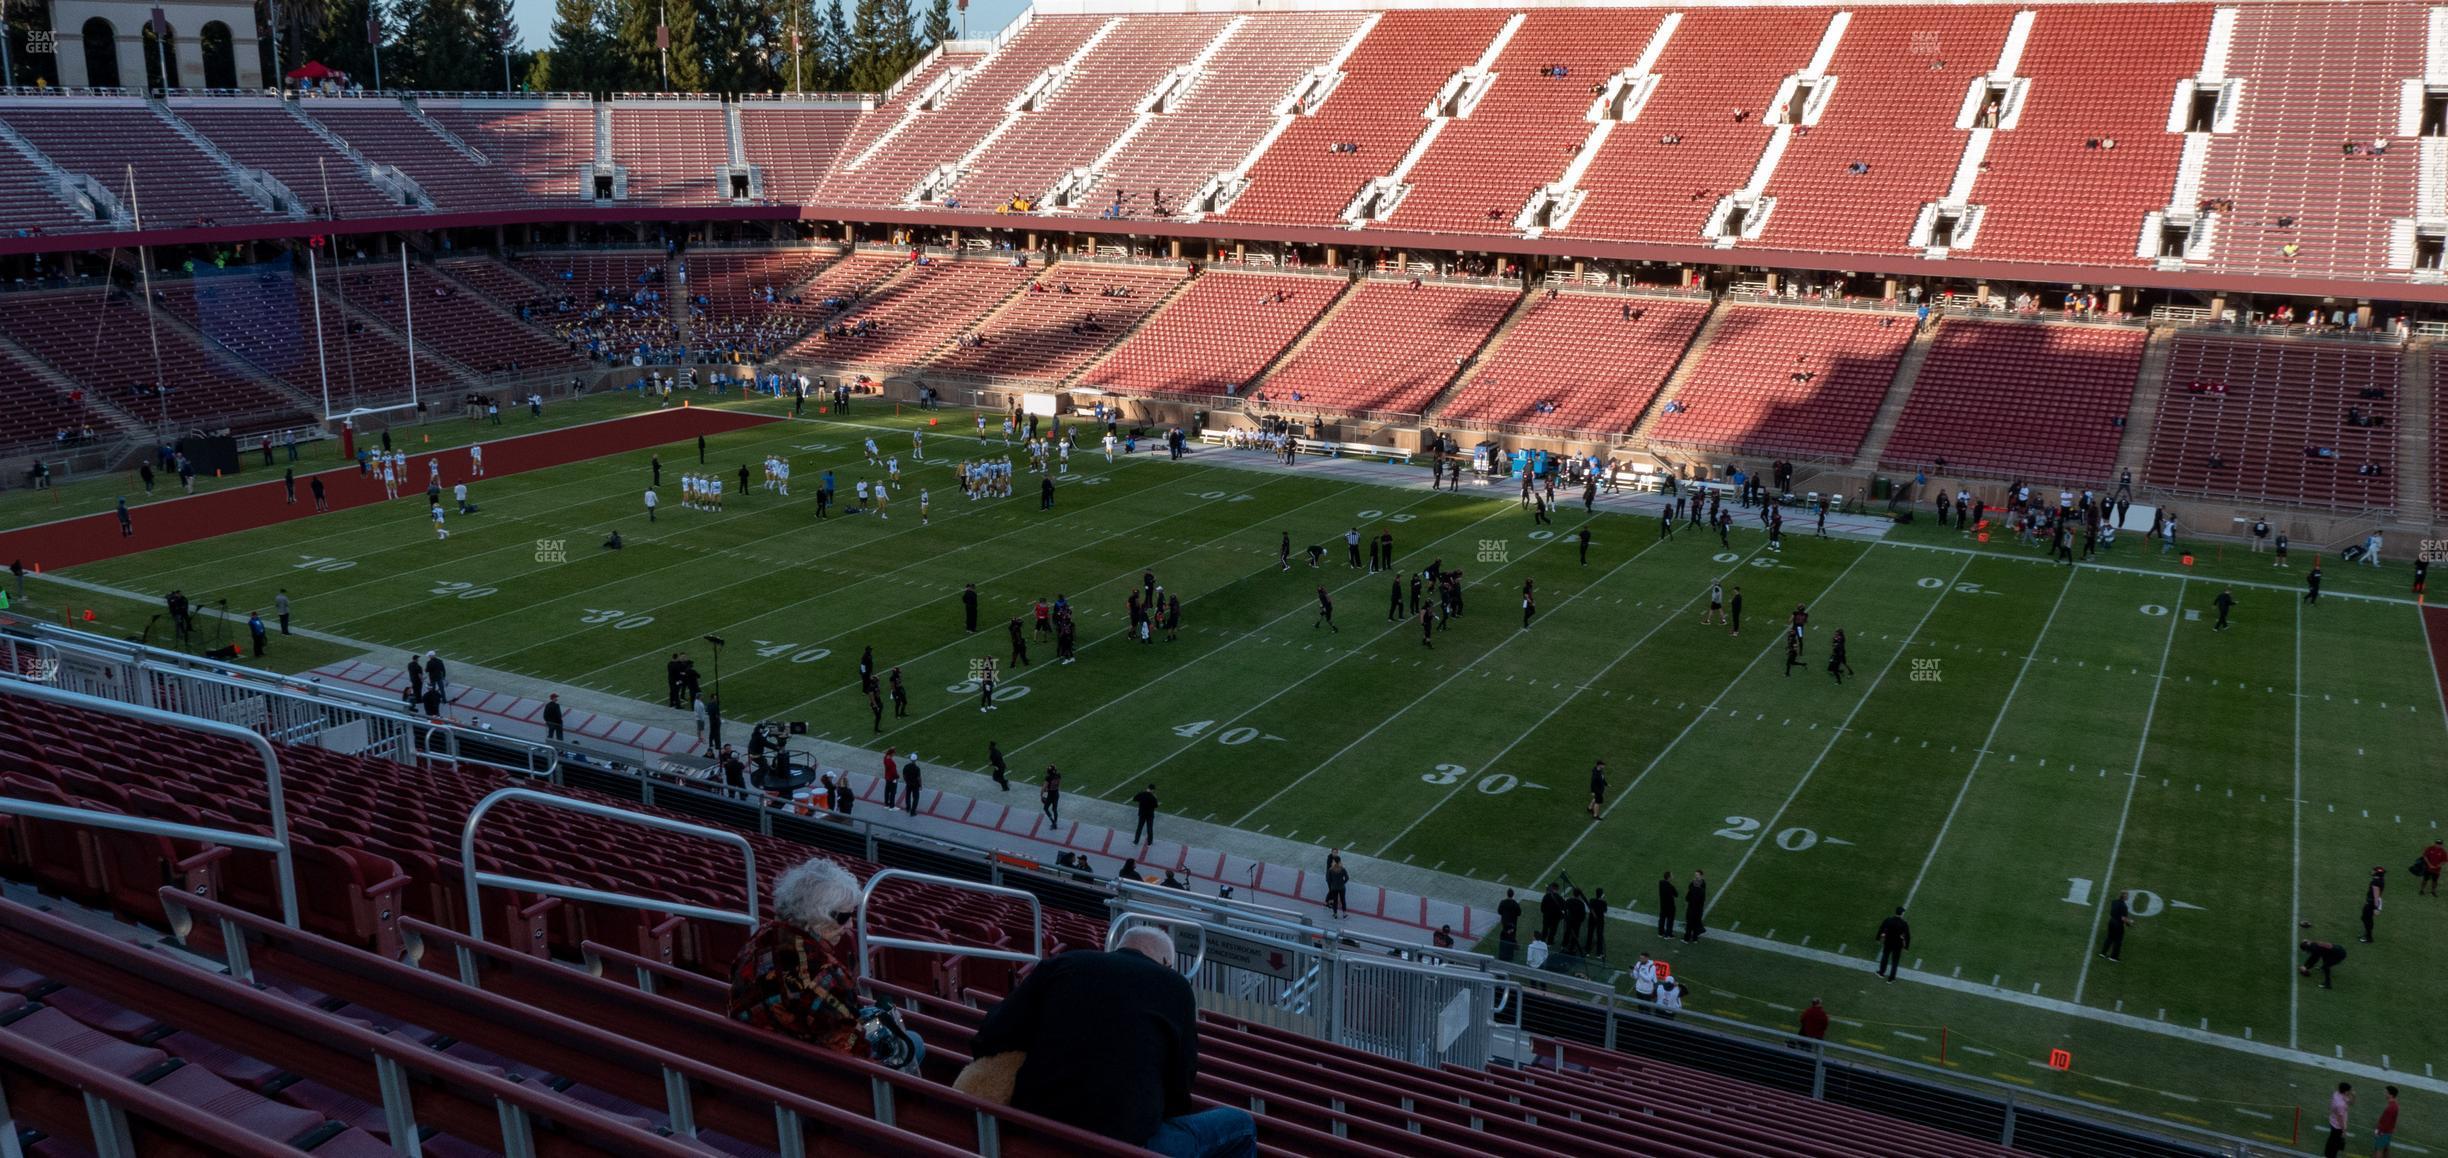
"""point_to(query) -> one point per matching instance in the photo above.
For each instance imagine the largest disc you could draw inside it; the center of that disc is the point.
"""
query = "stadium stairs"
(2133, 453)
(1317, 325)
(2418, 431)
(1102, 356)
(30, 424)
(1891, 408)
(1681, 377)
(1488, 350)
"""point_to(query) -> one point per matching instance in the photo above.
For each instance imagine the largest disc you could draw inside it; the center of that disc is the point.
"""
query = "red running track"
(90, 538)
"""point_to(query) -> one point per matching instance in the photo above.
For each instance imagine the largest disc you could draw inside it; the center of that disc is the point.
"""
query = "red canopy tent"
(313, 70)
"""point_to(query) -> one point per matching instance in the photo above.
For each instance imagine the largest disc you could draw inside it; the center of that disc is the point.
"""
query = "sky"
(986, 17)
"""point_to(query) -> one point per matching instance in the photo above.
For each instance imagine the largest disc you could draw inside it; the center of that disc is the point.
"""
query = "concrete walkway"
(963, 806)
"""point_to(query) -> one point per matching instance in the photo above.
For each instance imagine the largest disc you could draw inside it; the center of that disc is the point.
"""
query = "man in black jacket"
(1695, 906)
(1551, 915)
(1508, 926)
(1894, 937)
(1111, 1045)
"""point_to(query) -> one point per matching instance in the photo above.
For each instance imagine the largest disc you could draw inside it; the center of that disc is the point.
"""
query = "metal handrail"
(426, 737)
(477, 878)
(867, 944)
(111, 1099)
(284, 865)
(1125, 923)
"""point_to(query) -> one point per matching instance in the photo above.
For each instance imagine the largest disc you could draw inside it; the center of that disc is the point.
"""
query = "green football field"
(2018, 741)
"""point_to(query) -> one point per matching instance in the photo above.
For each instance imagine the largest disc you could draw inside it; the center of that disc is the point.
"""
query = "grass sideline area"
(2017, 742)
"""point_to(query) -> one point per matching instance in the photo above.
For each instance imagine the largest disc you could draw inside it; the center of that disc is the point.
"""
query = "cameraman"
(1109, 1043)
(790, 977)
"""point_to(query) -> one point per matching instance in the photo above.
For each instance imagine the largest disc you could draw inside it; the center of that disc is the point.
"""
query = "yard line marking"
(1986, 741)
(2295, 887)
(1894, 655)
(830, 592)
(2116, 846)
(415, 540)
(965, 640)
(1279, 693)
(1303, 608)
(1704, 713)
(453, 564)
(1526, 733)
(1022, 677)
(701, 557)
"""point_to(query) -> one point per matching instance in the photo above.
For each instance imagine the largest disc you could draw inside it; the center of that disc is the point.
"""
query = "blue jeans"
(1219, 1133)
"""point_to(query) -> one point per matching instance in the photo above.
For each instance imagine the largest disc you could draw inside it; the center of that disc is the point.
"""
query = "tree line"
(608, 46)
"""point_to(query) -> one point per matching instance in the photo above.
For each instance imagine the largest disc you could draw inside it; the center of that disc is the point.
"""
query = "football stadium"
(1345, 577)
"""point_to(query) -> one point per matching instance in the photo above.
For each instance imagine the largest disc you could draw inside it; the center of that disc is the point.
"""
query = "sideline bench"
(1357, 449)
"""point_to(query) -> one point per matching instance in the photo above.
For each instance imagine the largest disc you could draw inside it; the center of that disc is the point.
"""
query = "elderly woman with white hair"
(790, 978)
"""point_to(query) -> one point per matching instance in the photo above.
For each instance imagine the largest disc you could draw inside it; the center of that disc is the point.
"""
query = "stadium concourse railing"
(284, 867)
(1278, 967)
(704, 1073)
(282, 708)
(410, 1083)
(1521, 1003)
(1472, 1008)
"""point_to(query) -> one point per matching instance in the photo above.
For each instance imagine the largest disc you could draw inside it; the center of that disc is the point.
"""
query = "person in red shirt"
(892, 778)
(1815, 1021)
(2387, 1125)
(2432, 858)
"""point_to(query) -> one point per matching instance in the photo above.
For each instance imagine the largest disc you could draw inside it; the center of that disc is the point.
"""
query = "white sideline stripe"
(2295, 887)
(1839, 733)
(2116, 846)
(2066, 1008)
(1561, 703)
(1774, 638)
(1981, 753)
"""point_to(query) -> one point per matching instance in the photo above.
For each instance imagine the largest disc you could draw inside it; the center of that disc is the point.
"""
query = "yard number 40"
(2144, 903)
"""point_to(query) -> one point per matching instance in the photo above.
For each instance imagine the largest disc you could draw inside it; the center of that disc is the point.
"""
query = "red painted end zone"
(89, 538)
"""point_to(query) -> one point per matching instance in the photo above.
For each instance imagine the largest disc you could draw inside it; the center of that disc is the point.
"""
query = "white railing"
(869, 942)
(480, 878)
(284, 866)
(839, 98)
(1384, 997)
(463, 95)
